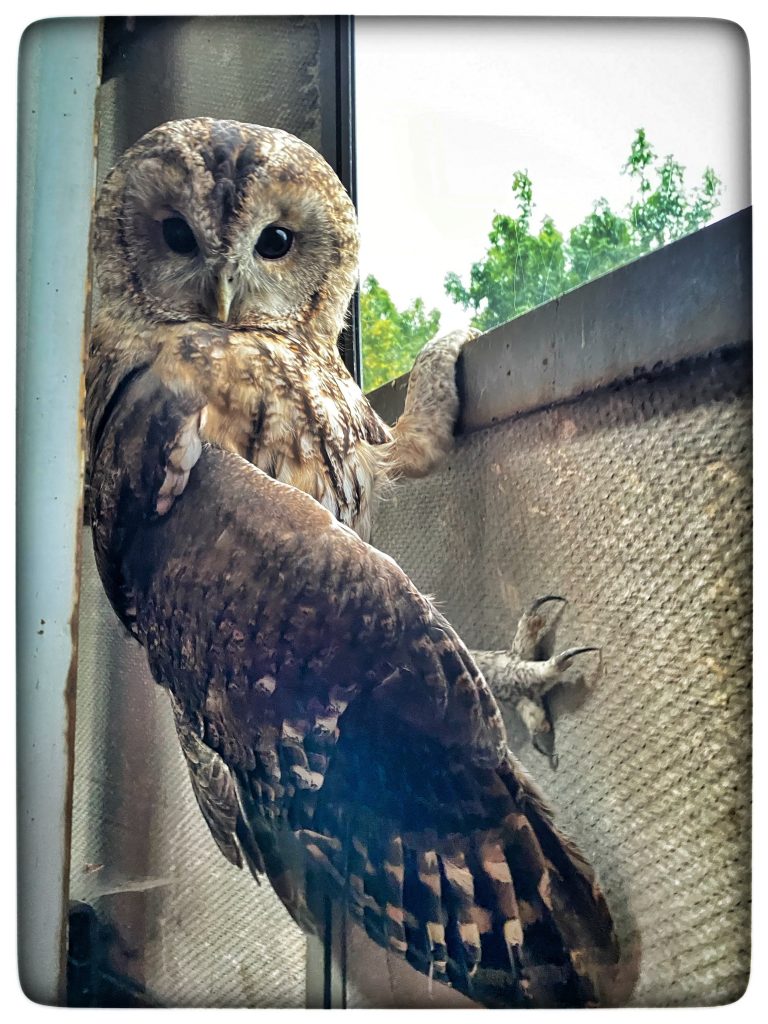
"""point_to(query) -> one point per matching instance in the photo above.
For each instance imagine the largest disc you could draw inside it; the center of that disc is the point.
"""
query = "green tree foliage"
(391, 338)
(662, 214)
(523, 268)
(519, 268)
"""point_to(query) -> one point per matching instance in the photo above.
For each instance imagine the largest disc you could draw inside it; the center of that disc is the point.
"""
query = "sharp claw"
(563, 660)
(180, 484)
(544, 600)
(190, 455)
(163, 504)
(544, 742)
(167, 485)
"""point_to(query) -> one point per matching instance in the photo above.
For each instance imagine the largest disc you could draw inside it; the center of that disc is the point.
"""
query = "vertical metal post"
(337, 74)
(327, 962)
(326, 956)
(58, 79)
(347, 167)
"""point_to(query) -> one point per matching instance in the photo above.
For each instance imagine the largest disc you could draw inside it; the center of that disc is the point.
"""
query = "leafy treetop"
(391, 338)
(524, 267)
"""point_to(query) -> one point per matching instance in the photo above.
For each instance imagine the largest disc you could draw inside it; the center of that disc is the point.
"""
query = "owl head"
(228, 223)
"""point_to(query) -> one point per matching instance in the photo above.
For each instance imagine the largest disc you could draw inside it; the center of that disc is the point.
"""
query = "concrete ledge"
(686, 299)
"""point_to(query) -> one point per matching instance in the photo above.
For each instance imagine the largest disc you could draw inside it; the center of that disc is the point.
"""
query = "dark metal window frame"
(339, 142)
(88, 980)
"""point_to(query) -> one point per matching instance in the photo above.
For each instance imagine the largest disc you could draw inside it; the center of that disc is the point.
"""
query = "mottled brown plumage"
(360, 752)
(257, 337)
(310, 682)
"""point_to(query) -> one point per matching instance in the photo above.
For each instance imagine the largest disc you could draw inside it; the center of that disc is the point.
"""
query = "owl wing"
(367, 755)
(216, 794)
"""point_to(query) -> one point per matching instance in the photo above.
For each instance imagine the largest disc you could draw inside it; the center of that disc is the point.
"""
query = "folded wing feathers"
(489, 911)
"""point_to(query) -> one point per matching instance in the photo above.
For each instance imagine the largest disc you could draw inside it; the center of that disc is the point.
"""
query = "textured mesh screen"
(259, 70)
(635, 503)
(180, 925)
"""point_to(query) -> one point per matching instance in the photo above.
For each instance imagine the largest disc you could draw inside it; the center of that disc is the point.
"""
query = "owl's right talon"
(423, 436)
(182, 457)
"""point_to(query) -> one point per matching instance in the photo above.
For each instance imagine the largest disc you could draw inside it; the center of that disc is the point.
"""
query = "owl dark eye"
(179, 236)
(274, 242)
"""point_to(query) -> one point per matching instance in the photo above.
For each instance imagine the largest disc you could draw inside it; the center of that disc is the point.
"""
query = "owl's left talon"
(182, 457)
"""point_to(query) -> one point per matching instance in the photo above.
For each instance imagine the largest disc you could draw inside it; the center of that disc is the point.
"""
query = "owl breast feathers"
(339, 735)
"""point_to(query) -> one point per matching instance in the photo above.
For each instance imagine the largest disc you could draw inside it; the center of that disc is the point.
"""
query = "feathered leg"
(423, 435)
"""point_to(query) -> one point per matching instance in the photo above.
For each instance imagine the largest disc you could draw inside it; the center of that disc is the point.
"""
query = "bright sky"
(449, 108)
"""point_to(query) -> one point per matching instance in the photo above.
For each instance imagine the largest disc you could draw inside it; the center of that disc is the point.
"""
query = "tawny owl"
(227, 255)
(339, 736)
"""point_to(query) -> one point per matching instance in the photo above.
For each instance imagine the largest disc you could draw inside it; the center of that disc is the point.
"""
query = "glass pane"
(580, 144)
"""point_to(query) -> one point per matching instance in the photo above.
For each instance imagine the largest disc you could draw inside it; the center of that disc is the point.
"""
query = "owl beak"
(224, 294)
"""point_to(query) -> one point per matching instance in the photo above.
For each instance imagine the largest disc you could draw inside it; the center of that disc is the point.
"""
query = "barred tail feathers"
(574, 897)
(509, 915)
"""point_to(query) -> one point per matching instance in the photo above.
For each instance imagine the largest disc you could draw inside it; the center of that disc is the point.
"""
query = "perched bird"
(226, 255)
(340, 735)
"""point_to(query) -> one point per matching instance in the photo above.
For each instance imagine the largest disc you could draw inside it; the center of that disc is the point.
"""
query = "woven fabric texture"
(259, 70)
(635, 504)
